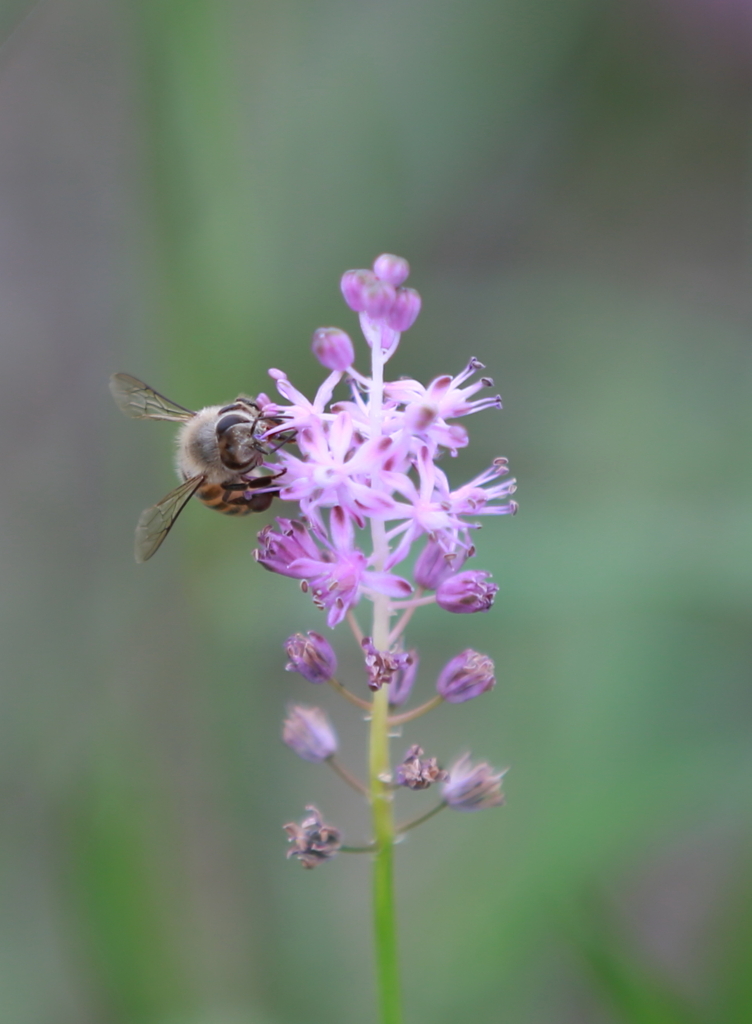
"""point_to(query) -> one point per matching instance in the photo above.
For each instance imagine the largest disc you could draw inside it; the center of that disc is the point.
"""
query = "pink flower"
(335, 573)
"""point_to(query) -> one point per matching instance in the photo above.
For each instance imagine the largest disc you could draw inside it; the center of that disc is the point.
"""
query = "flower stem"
(419, 820)
(385, 924)
(408, 716)
(347, 776)
(337, 686)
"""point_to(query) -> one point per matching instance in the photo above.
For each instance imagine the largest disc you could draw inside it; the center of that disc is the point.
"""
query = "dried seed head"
(419, 774)
(382, 666)
(312, 841)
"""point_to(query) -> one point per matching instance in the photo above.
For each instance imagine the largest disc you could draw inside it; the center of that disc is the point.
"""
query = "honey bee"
(219, 448)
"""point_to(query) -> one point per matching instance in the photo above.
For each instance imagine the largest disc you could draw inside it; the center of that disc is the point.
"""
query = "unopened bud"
(308, 731)
(466, 676)
(404, 310)
(402, 683)
(312, 656)
(434, 565)
(466, 592)
(312, 841)
(353, 285)
(392, 269)
(473, 787)
(333, 348)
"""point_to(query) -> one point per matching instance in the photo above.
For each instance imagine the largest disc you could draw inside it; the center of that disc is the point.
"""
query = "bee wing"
(141, 402)
(156, 522)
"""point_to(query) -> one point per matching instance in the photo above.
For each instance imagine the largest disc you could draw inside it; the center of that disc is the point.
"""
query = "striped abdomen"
(230, 499)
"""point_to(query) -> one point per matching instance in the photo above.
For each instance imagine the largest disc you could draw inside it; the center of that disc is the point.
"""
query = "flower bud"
(312, 841)
(415, 773)
(404, 310)
(309, 733)
(433, 565)
(392, 269)
(378, 298)
(402, 683)
(473, 787)
(466, 592)
(353, 286)
(333, 348)
(466, 676)
(312, 656)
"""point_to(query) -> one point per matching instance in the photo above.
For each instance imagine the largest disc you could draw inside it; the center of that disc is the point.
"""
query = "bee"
(218, 450)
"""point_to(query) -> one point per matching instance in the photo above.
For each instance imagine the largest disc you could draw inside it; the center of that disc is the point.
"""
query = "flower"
(312, 656)
(466, 592)
(308, 731)
(415, 773)
(333, 348)
(473, 787)
(312, 840)
(466, 676)
(334, 573)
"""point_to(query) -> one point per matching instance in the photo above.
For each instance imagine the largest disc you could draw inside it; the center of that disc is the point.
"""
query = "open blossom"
(333, 571)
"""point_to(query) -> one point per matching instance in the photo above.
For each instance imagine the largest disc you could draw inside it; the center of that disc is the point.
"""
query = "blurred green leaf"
(735, 946)
(636, 992)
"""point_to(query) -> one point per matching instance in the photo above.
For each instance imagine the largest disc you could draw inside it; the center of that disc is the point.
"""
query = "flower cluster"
(369, 457)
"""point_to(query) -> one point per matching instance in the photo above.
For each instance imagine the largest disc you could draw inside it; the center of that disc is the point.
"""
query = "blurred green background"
(181, 184)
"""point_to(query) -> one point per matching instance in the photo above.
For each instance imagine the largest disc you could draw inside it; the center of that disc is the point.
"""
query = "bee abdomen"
(227, 502)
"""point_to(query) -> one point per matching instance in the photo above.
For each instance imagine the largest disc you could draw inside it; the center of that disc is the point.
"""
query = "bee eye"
(228, 421)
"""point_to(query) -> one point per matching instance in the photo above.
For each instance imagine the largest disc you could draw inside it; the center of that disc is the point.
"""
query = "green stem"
(385, 924)
(347, 776)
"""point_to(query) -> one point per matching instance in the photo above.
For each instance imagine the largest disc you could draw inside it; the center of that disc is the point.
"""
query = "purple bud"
(473, 787)
(312, 656)
(415, 773)
(353, 286)
(466, 676)
(466, 592)
(309, 733)
(433, 565)
(404, 310)
(333, 348)
(312, 841)
(402, 684)
(392, 269)
(379, 298)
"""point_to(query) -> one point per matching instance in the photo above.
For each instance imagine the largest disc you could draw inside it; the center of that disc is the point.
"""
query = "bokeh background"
(181, 184)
